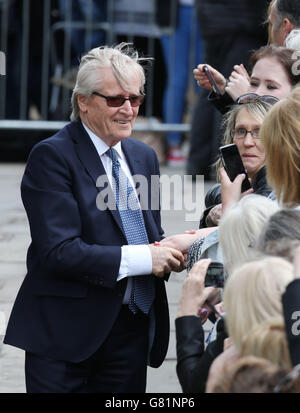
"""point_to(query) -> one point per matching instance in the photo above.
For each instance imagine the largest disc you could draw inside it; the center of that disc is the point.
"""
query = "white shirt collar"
(100, 145)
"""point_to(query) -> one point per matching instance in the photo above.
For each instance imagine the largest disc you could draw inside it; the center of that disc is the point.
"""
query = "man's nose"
(126, 107)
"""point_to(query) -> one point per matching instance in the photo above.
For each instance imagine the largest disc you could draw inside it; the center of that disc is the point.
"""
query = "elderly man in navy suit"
(92, 311)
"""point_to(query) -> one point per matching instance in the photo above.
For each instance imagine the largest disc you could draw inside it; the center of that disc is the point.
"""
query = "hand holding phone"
(212, 81)
(233, 164)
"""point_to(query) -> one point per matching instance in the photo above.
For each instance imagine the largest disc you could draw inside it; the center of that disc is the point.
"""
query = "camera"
(215, 275)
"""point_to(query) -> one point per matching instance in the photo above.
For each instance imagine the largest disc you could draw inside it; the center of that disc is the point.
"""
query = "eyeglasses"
(253, 98)
(117, 101)
(288, 379)
(241, 133)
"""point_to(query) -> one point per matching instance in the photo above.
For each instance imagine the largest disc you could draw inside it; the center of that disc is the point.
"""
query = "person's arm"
(192, 361)
(222, 103)
(56, 227)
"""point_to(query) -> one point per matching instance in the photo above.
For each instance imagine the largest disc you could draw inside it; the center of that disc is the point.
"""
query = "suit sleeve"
(55, 222)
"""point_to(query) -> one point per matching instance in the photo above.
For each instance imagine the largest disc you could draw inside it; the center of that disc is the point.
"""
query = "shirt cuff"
(135, 260)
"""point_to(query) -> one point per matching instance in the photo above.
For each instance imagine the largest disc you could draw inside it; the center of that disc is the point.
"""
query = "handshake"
(170, 253)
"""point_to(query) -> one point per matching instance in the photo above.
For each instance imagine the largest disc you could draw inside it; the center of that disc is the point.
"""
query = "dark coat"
(193, 361)
(70, 296)
(291, 311)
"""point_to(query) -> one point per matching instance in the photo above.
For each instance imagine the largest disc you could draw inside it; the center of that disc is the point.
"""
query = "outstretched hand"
(183, 241)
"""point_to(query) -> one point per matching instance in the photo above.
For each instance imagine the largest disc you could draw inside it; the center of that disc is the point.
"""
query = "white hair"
(122, 58)
(241, 226)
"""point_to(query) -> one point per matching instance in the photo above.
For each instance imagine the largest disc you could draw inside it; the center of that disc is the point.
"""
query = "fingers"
(242, 71)
(203, 80)
(199, 269)
(201, 77)
(224, 178)
(165, 260)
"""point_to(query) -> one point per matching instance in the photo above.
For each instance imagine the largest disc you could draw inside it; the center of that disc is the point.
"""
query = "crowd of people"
(256, 345)
(92, 311)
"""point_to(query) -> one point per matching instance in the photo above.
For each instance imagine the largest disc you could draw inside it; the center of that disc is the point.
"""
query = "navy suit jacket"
(70, 296)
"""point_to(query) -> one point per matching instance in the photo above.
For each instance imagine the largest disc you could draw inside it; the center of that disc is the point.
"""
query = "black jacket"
(193, 361)
(291, 311)
(213, 196)
(223, 103)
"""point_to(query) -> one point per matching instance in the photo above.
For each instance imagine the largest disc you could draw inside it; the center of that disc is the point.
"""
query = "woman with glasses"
(242, 127)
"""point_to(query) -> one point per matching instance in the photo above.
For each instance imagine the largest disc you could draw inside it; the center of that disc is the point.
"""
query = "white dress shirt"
(135, 259)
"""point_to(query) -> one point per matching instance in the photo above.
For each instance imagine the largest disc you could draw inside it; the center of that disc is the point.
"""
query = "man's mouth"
(122, 122)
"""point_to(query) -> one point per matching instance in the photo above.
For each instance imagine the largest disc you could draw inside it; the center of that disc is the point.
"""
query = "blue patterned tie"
(143, 293)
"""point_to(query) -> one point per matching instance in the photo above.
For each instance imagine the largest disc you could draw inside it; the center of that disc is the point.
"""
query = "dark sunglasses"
(253, 98)
(117, 101)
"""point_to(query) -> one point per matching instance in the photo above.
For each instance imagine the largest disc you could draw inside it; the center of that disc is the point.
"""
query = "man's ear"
(82, 103)
(288, 26)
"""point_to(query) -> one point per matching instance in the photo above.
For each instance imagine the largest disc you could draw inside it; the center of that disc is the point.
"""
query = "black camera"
(215, 275)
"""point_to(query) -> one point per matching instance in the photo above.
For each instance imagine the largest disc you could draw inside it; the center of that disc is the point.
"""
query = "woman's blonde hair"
(123, 60)
(268, 340)
(252, 295)
(240, 228)
(280, 134)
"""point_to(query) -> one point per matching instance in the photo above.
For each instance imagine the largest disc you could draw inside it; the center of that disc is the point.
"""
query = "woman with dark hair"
(272, 74)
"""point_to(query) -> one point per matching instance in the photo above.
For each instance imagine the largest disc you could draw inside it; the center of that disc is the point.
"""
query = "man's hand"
(165, 260)
(203, 81)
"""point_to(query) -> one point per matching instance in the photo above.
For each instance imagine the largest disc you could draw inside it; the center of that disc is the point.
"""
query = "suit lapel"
(89, 157)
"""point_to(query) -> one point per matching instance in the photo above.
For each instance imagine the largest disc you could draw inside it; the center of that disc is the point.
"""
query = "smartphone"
(233, 164)
(211, 80)
(215, 275)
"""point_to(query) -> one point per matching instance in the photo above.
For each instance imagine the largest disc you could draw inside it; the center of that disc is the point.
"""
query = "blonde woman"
(280, 136)
(260, 285)
(252, 296)
(268, 340)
